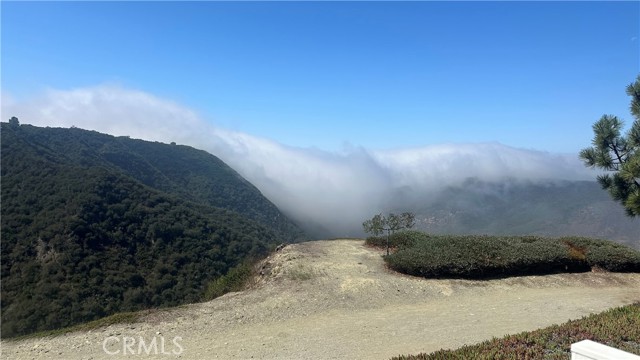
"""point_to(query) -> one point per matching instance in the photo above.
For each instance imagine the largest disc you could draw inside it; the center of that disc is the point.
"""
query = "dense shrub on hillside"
(477, 257)
(190, 174)
(235, 280)
(117, 247)
(81, 239)
(619, 328)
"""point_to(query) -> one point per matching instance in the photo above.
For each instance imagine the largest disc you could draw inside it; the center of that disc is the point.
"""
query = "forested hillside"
(93, 224)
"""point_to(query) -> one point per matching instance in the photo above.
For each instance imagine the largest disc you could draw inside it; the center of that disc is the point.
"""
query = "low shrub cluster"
(619, 328)
(482, 257)
(235, 280)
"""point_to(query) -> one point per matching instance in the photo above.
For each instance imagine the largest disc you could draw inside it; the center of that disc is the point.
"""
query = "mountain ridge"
(515, 207)
(183, 170)
(82, 238)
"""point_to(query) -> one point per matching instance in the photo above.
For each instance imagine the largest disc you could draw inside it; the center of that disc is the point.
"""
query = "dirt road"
(335, 300)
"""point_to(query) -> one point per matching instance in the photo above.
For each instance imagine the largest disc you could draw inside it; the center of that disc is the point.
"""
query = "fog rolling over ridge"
(329, 193)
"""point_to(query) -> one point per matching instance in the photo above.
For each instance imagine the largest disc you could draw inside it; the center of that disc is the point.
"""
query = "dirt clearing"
(336, 300)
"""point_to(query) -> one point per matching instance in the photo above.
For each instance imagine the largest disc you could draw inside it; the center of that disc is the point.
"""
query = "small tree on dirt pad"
(378, 224)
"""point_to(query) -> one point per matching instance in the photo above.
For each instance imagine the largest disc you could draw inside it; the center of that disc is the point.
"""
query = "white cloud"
(110, 109)
(336, 190)
(452, 163)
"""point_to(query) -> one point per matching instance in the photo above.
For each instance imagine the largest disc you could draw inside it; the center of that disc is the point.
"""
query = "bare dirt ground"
(336, 300)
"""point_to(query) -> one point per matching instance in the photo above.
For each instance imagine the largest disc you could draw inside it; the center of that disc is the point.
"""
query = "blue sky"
(381, 75)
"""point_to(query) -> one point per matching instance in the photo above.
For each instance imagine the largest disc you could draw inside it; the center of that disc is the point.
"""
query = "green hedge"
(481, 256)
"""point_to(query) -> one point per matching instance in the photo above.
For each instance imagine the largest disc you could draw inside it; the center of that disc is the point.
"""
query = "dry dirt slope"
(335, 300)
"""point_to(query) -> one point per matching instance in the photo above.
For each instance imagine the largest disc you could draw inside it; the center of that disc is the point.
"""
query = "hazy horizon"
(309, 184)
(327, 107)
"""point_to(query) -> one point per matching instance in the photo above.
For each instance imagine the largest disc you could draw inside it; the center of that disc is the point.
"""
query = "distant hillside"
(188, 173)
(557, 208)
(93, 224)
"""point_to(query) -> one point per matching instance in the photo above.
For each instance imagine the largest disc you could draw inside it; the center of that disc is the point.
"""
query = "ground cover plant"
(619, 328)
(483, 257)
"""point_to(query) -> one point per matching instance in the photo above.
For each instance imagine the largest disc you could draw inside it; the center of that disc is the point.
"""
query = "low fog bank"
(328, 193)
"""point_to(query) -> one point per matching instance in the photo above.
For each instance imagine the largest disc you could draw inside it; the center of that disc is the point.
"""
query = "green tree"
(620, 154)
(375, 225)
(379, 223)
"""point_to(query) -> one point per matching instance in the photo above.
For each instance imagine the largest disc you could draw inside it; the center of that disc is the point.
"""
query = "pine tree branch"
(615, 151)
(621, 161)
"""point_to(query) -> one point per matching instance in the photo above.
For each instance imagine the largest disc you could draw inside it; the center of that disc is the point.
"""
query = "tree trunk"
(388, 234)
